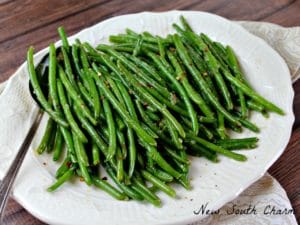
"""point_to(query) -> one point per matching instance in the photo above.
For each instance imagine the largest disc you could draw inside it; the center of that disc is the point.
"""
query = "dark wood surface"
(28, 22)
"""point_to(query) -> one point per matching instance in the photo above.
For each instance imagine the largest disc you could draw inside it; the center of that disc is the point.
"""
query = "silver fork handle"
(8, 180)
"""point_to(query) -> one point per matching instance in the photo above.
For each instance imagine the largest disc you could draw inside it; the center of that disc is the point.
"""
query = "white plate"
(213, 183)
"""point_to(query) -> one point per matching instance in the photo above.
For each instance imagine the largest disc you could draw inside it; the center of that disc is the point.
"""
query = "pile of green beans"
(140, 107)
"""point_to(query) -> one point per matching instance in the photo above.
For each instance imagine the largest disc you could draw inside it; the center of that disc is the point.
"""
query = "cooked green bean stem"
(50, 145)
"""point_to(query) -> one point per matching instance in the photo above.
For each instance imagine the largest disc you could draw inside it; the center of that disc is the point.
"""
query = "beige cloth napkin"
(266, 191)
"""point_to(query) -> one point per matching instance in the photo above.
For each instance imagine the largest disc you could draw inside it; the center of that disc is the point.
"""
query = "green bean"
(123, 113)
(161, 89)
(66, 176)
(68, 67)
(90, 81)
(213, 66)
(153, 116)
(47, 135)
(234, 144)
(80, 151)
(85, 94)
(67, 111)
(127, 99)
(91, 130)
(162, 175)
(235, 67)
(95, 154)
(251, 126)
(152, 91)
(58, 146)
(185, 24)
(203, 119)
(163, 164)
(64, 167)
(182, 166)
(138, 45)
(152, 100)
(176, 156)
(120, 165)
(64, 38)
(76, 61)
(126, 189)
(38, 91)
(218, 149)
(174, 135)
(52, 78)
(252, 94)
(182, 77)
(199, 79)
(147, 68)
(145, 192)
(197, 150)
(161, 47)
(184, 181)
(122, 143)
(112, 146)
(51, 142)
(257, 107)
(76, 96)
(108, 188)
(180, 90)
(158, 183)
(221, 127)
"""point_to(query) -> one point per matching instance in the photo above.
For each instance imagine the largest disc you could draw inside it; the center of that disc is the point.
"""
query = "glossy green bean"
(38, 91)
(180, 90)
(123, 112)
(58, 145)
(108, 188)
(158, 183)
(146, 193)
(218, 149)
(64, 167)
(65, 177)
(182, 52)
(95, 154)
(64, 38)
(182, 77)
(46, 137)
(76, 96)
(125, 188)
(152, 100)
(67, 111)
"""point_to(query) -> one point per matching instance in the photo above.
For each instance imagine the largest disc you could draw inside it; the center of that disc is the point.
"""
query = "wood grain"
(28, 22)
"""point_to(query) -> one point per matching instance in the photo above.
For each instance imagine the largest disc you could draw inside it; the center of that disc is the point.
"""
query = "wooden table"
(26, 22)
